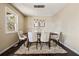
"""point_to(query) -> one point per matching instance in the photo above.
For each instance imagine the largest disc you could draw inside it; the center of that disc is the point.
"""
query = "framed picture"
(36, 23)
(42, 23)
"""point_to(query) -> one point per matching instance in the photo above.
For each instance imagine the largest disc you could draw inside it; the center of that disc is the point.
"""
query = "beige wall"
(69, 17)
(66, 21)
(51, 24)
(8, 39)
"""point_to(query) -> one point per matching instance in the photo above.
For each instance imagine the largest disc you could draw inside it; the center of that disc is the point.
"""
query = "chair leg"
(19, 43)
(28, 46)
(41, 46)
(49, 45)
(36, 45)
(24, 44)
(56, 43)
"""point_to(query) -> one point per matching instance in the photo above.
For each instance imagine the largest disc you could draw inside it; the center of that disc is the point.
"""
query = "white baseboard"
(8, 47)
(77, 52)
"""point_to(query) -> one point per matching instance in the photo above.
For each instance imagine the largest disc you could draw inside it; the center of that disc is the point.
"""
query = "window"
(11, 21)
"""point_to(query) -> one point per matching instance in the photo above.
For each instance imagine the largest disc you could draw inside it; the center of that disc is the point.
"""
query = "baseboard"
(70, 48)
(8, 47)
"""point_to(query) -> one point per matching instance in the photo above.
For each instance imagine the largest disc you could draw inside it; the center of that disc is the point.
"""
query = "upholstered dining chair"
(45, 39)
(32, 38)
(55, 37)
(21, 36)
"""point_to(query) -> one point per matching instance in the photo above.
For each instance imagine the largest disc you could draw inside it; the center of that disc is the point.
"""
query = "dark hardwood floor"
(10, 52)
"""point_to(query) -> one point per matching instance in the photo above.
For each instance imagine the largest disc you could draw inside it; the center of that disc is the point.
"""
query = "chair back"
(32, 36)
(55, 35)
(44, 36)
(20, 34)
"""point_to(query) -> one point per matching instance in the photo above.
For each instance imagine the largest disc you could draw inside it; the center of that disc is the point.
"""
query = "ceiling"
(28, 8)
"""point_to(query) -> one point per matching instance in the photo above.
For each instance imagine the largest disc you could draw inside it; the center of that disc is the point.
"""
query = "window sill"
(11, 32)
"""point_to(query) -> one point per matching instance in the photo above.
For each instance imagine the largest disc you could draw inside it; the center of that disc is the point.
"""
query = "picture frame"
(42, 23)
(36, 23)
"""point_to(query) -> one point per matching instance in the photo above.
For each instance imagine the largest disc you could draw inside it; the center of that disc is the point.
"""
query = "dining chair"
(45, 39)
(32, 38)
(55, 37)
(21, 36)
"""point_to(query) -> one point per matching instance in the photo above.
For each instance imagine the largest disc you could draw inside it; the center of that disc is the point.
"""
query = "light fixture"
(39, 6)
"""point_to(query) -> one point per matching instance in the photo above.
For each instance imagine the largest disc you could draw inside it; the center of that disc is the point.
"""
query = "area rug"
(45, 50)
